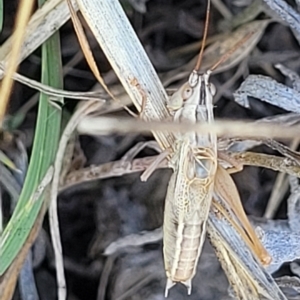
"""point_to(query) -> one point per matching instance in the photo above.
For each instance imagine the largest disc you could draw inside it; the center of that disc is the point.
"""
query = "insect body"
(191, 185)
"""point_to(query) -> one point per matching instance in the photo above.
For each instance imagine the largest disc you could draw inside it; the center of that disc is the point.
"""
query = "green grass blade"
(1, 15)
(44, 150)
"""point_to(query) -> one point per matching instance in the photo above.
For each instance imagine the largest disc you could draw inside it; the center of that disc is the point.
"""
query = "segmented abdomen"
(184, 231)
(182, 247)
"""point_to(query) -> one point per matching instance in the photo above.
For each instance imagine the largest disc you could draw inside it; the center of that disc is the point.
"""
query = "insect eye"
(187, 93)
(212, 89)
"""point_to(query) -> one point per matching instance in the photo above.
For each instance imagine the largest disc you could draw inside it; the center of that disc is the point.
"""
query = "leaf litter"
(94, 215)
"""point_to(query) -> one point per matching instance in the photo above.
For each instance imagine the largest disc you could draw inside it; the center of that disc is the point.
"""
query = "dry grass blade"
(242, 285)
(51, 91)
(43, 23)
(279, 190)
(268, 90)
(84, 109)
(248, 280)
(222, 8)
(9, 279)
(104, 125)
(85, 46)
(134, 240)
(23, 15)
(286, 13)
(130, 69)
(88, 53)
(239, 144)
(248, 14)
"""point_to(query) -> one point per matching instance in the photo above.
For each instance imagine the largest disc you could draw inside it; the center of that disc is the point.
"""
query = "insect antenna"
(199, 60)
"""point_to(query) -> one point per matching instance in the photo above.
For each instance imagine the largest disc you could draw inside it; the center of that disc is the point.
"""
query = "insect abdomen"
(182, 250)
